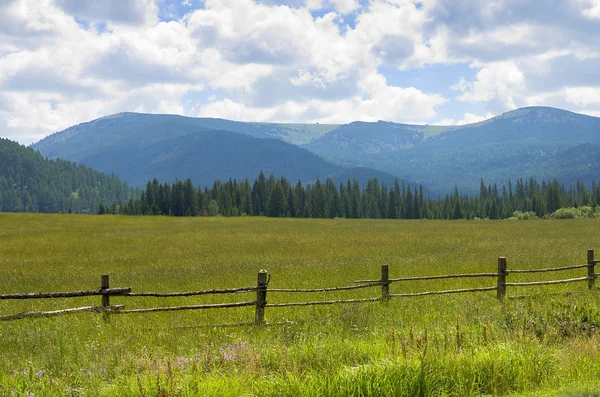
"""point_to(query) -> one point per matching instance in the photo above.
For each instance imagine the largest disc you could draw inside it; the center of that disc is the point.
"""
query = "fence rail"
(570, 280)
(442, 276)
(96, 309)
(261, 289)
(375, 283)
(193, 293)
(47, 295)
(188, 307)
(452, 291)
(552, 269)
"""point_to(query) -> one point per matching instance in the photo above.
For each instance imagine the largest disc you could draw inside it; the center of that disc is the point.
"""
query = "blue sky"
(63, 62)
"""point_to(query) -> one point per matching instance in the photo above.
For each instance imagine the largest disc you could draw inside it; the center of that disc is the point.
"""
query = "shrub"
(524, 215)
(576, 213)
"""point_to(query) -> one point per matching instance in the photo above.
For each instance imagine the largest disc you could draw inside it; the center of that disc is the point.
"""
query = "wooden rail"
(570, 280)
(188, 307)
(552, 269)
(452, 291)
(376, 283)
(192, 293)
(314, 303)
(96, 309)
(442, 276)
(46, 295)
(261, 289)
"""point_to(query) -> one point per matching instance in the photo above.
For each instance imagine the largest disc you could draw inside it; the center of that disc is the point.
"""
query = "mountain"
(77, 142)
(139, 147)
(29, 182)
(537, 141)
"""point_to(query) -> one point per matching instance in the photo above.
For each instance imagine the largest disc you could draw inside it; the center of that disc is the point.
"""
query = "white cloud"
(314, 4)
(305, 78)
(471, 118)
(583, 96)
(118, 11)
(576, 99)
(399, 19)
(590, 8)
(274, 60)
(284, 36)
(497, 80)
(345, 6)
(378, 101)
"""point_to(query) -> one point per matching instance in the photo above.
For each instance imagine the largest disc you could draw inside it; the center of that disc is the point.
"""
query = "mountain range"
(545, 143)
(540, 142)
(139, 147)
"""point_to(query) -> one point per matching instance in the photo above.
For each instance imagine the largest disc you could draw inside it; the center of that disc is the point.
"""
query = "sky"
(64, 62)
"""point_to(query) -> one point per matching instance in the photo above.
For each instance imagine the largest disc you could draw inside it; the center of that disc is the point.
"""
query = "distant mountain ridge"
(125, 127)
(139, 147)
(537, 141)
(521, 143)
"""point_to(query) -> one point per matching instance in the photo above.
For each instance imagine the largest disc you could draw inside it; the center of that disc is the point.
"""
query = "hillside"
(31, 183)
(139, 147)
(539, 142)
(79, 141)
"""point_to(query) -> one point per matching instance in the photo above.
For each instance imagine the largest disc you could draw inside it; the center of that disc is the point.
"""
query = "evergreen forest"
(31, 183)
(277, 197)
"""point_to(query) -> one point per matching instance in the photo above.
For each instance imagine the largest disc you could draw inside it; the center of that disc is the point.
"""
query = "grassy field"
(460, 345)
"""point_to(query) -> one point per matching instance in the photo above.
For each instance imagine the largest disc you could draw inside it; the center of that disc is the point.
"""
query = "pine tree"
(277, 201)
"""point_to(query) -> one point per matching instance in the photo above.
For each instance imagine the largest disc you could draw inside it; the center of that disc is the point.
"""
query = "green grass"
(462, 345)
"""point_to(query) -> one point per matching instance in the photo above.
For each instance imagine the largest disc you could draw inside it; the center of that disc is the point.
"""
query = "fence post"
(261, 297)
(385, 284)
(591, 272)
(501, 288)
(104, 285)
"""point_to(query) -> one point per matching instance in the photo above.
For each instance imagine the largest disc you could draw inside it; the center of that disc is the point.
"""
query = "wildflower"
(226, 354)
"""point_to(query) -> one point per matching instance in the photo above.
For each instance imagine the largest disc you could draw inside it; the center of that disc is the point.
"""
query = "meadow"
(458, 345)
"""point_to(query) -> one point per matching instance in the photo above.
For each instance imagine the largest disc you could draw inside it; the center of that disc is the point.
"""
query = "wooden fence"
(261, 289)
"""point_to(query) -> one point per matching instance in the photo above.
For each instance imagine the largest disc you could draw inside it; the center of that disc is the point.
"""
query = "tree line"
(277, 197)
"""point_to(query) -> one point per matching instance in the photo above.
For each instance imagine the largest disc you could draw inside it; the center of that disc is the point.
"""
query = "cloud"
(31, 24)
(289, 3)
(376, 100)
(471, 118)
(591, 9)
(345, 6)
(479, 15)
(47, 80)
(498, 80)
(393, 50)
(583, 96)
(67, 61)
(131, 65)
(133, 12)
(284, 36)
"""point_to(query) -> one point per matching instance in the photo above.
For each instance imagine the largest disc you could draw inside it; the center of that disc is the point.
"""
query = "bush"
(524, 215)
(576, 213)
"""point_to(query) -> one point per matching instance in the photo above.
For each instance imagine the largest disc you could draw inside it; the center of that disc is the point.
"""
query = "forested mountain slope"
(29, 182)
(140, 147)
(539, 142)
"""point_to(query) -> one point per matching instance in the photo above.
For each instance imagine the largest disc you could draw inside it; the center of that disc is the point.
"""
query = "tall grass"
(459, 345)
